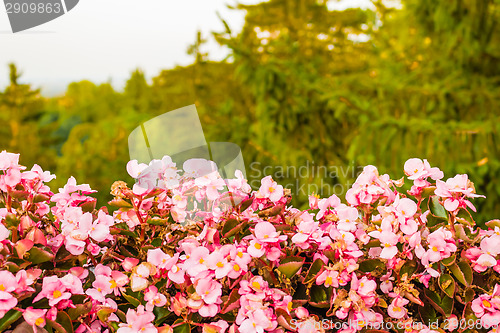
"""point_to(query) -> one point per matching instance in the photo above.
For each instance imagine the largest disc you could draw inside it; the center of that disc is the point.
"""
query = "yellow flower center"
(201, 261)
(240, 254)
(113, 284)
(56, 294)
(255, 285)
(486, 304)
(272, 189)
(266, 236)
(434, 248)
(397, 309)
(39, 321)
(236, 267)
(258, 246)
(387, 245)
(2, 288)
(220, 265)
(329, 280)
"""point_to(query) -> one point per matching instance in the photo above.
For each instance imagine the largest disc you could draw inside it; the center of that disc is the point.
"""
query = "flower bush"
(186, 250)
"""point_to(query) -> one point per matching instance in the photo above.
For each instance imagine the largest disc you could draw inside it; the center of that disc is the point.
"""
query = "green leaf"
(447, 284)
(10, 317)
(37, 255)
(462, 272)
(161, 314)
(184, 328)
(408, 268)
(290, 266)
(231, 228)
(104, 312)
(79, 310)
(443, 305)
(232, 302)
(434, 223)
(245, 204)
(132, 300)
(436, 208)
(313, 270)
(319, 297)
(65, 321)
(449, 261)
(465, 218)
(157, 221)
(370, 265)
(493, 223)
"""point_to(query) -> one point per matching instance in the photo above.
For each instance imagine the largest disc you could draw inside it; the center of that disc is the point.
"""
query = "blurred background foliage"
(304, 86)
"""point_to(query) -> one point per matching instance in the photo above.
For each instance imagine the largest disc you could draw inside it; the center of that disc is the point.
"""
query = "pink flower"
(7, 302)
(396, 309)
(265, 232)
(388, 240)
(153, 298)
(139, 321)
(35, 316)
(8, 282)
(270, 189)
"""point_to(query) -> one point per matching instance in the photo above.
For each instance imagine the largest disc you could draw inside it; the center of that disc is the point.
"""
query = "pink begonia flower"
(7, 302)
(270, 189)
(195, 262)
(153, 298)
(160, 259)
(415, 168)
(219, 326)
(129, 263)
(487, 307)
(388, 240)
(455, 191)
(257, 322)
(325, 204)
(396, 309)
(8, 282)
(406, 207)
(139, 278)
(266, 232)
(4, 232)
(139, 321)
(328, 278)
(217, 262)
(35, 316)
(54, 290)
(8, 160)
(347, 218)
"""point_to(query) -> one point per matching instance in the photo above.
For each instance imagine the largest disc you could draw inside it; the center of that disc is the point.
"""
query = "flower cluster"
(185, 249)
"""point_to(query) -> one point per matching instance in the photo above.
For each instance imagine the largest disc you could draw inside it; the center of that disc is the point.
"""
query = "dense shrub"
(189, 251)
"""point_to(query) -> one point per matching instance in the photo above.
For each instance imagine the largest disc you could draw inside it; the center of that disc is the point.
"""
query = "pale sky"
(105, 40)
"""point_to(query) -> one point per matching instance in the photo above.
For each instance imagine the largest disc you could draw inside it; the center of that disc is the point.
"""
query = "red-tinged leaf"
(231, 228)
(320, 297)
(88, 206)
(284, 318)
(493, 223)
(23, 246)
(436, 208)
(37, 255)
(462, 272)
(370, 265)
(232, 302)
(132, 300)
(313, 270)
(65, 321)
(443, 305)
(449, 261)
(245, 204)
(183, 328)
(408, 268)
(11, 220)
(79, 310)
(9, 318)
(120, 203)
(290, 266)
(465, 235)
(40, 198)
(104, 312)
(56, 326)
(447, 284)
(465, 218)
